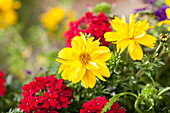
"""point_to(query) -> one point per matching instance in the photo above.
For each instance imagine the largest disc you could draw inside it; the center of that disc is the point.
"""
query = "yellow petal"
(164, 22)
(83, 37)
(135, 50)
(168, 12)
(62, 67)
(90, 47)
(132, 19)
(167, 2)
(123, 18)
(103, 56)
(64, 61)
(66, 53)
(89, 79)
(147, 40)
(65, 74)
(92, 65)
(112, 36)
(122, 44)
(79, 75)
(140, 36)
(103, 69)
(98, 75)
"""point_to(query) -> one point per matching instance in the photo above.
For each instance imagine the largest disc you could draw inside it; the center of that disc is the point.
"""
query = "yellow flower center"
(84, 58)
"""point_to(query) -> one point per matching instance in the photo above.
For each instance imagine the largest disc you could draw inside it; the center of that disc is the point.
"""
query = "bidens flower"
(52, 18)
(8, 16)
(130, 36)
(168, 15)
(84, 61)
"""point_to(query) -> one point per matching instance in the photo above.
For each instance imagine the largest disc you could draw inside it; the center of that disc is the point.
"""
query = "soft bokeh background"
(29, 49)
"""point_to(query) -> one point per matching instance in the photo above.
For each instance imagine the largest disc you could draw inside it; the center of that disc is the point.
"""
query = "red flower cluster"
(2, 85)
(94, 106)
(89, 24)
(44, 95)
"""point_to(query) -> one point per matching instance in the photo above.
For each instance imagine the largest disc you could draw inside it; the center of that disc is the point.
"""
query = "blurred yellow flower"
(52, 18)
(84, 61)
(8, 16)
(168, 15)
(130, 36)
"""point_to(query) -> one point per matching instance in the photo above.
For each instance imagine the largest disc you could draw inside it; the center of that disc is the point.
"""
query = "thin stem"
(138, 73)
(157, 49)
(136, 106)
(163, 91)
(152, 81)
(161, 53)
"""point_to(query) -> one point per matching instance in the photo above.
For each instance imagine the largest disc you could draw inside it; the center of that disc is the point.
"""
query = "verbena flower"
(96, 106)
(44, 95)
(130, 35)
(84, 61)
(96, 26)
(52, 18)
(160, 13)
(8, 15)
(2, 84)
(168, 15)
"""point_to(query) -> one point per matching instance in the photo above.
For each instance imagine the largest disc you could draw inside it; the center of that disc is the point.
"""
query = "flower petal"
(167, 2)
(135, 50)
(168, 12)
(79, 74)
(92, 65)
(147, 40)
(89, 79)
(164, 22)
(66, 53)
(122, 44)
(111, 36)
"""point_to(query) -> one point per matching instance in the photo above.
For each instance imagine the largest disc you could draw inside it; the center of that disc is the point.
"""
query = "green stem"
(157, 49)
(136, 106)
(163, 91)
(152, 81)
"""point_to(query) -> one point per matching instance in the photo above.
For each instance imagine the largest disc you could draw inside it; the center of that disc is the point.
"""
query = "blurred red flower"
(96, 26)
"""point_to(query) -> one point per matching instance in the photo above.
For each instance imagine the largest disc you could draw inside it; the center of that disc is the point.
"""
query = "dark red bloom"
(2, 84)
(96, 106)
(96, 26)
(44, 95)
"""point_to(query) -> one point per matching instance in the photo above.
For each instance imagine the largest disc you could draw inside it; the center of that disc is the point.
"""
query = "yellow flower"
(52, 18)
(8, 16)
(84, 61)
(168, 15)
(130, 36)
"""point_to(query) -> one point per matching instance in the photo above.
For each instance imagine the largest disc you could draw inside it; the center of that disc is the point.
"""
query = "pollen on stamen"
(84, 58)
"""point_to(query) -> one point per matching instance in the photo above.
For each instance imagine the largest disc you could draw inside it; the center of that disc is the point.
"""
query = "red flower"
(2, 84)
(89, 24)
(44, 95)
(96, 106)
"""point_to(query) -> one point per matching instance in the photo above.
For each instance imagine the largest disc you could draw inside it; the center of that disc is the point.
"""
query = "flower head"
(96, 106)
(84, 61)
(160, 13)
(2, 85)
(44, 95)
(130, 35)
(96, 26)
(52, 18)
(7, 12)
(168, 15)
